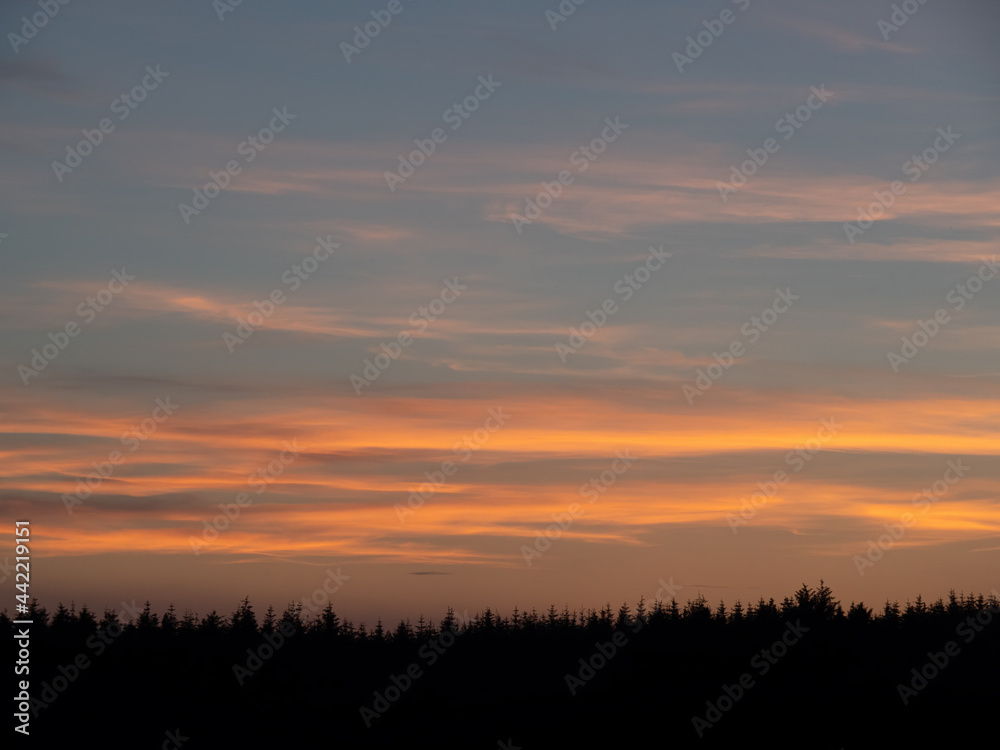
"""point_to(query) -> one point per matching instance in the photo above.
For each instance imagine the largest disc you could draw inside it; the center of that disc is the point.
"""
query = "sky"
(499, 304)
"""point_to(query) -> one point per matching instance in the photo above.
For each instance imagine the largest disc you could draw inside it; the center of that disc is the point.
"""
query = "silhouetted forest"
(805, 671)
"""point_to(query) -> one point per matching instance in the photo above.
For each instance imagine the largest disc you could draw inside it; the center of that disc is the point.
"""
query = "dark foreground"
(802, 673)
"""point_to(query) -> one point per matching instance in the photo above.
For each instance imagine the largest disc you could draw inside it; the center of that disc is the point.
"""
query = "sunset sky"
(714, 285)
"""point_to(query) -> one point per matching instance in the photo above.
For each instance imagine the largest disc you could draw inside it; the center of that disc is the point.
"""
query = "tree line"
(813, 604)
(704, 675)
